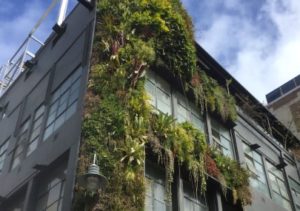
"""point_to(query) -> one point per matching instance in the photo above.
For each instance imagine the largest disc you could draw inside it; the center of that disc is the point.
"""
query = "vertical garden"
(132, 37)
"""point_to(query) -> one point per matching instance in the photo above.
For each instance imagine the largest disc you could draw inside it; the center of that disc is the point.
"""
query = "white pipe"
(62, 12)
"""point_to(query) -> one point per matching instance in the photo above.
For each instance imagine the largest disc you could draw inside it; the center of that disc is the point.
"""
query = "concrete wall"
(287, 110)
(55, 62)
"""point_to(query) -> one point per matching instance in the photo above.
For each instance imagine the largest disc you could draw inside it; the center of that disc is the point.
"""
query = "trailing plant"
(211, 96)
(131, 37)
(236, 177)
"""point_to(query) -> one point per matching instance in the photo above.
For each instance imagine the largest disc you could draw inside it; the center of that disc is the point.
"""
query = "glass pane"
(73, 97)
(48, 131)
(76, 74)
(37, 123)
(163, 101)
(53, 108)
(53, 207)
(65, 86)
(286, 204)
(35, 133)
(59, 121)
(197, 122)
(159, 206)
(32, 146)
(188, 204)
(16, 162)
(62, 108)
(150, 88)
(39, 112)
(283, 189)
(159, 191)
(51, 119)
(165, 108)
(54, 194)
(182, 114)
(1, 164)
(41, 203)
(274, 183)
(71, 110)
(75, 85)
(257, 157)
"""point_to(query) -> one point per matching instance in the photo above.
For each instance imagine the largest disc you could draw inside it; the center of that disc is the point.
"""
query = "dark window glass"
(3, 153)
(63, 103)
(155, 190)
(278, 186)
(255, 165)
(288, 86)
(297, 80)
(159, 92)
(186, 111)
(221, 139)
(20, 147)
(36, 130)
(295, 189)
(273, 95)
(192, 201)
(51, 191)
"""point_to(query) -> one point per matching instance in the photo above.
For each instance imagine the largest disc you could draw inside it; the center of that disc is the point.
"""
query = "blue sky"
(257, 41)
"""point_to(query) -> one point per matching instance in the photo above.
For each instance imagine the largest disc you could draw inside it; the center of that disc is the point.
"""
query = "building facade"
(41, 121)
(284, 103)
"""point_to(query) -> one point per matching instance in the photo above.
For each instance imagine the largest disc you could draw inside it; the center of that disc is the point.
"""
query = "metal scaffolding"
(10, 71)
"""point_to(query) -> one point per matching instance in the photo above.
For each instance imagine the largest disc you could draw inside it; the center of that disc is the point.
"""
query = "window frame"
(155, 175)
(218, 142)
(191, 110)
(257, 175)
(21, 143)
(193, 197)
(63, 96)
(33, 128)
(159, 84)
(282, 180)
(3, 153)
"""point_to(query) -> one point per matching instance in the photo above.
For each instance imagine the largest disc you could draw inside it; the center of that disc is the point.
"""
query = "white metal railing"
(10, 71)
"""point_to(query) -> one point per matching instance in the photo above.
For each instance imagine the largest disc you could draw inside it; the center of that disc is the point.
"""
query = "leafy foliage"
(131, 37)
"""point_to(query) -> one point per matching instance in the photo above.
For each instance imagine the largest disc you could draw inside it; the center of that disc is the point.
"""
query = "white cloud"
(260, 48)
(16, 24)
(15, 29)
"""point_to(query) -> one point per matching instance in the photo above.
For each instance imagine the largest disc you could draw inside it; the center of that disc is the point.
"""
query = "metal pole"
(62, 12)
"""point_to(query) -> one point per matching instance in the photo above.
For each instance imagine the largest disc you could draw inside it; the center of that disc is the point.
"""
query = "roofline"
(221, 75)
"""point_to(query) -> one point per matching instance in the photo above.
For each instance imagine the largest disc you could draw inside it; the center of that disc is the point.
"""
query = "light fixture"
(59, 29)
(254, 147)
(90, 4)
(281, 163)
(93, 180)
(40, 167)
(30, 63)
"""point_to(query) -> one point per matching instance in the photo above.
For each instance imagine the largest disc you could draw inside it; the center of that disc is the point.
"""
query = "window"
(255, 165)
(3, 110)
(188, 112)
(3, 152)
(36, 130)
(295, 189)
(160, 93)
(18, 151)
(50, 191)
(221, 139)
(155, 190)
(63, 103)
(191, 202)
(279, 190)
